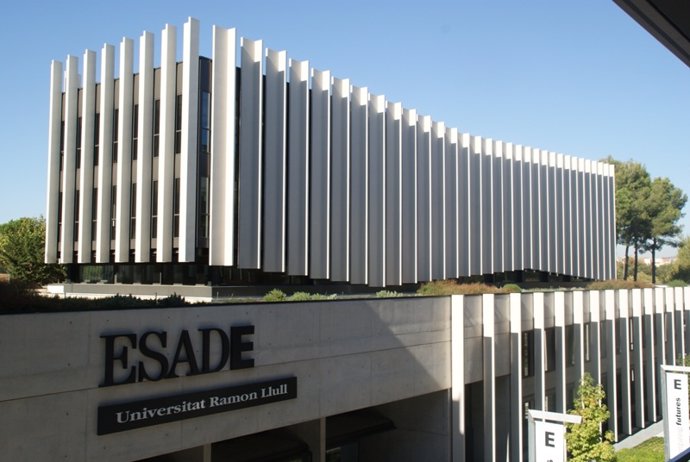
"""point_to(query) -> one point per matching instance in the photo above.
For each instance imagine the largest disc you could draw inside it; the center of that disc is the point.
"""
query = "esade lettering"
(133, 358)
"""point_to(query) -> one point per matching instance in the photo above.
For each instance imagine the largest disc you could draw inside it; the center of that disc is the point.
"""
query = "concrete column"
(611, 339)
(544, 211)
(686, 318)
(625, 363)
(511, 212)
(223, 159)
(320, 175)
(409, 196)
(552, 209)
(526, 215)
(438, 215)
(105, 155)
(536, 216)
(166, 157)
(458, 378)
(393, 194)
(497, 206)
(69, 168)
(539, 345)
(474, 204)
(485, 203)
(340, 182)
(464, 206)
(250, 157)
(561, 365)
(376, 239)
(124, 152)
(669, 314)
(516, 411)
(359, 186)
(275, 167)
(53, 183)
(660, 342)
(142, 233)
(489, 378)
(451, 201)
(189, 140)
(638, 358)
(314, 434)
(88, 115)
(424, 198)
(568, 217)
(579, 334)
(650, 354)
(595, 333)
(517, 211)
(679, 327)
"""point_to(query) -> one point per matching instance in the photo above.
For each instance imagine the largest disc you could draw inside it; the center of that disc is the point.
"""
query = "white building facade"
(222, 169)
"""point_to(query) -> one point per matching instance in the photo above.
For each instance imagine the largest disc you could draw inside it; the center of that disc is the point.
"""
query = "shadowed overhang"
(667, 20)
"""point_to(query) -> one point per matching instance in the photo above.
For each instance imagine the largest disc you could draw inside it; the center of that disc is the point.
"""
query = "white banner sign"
(549, 441)
(678, 437)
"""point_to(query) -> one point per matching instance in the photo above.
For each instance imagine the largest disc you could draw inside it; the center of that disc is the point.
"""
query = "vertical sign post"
(675, 407)
(547, 435)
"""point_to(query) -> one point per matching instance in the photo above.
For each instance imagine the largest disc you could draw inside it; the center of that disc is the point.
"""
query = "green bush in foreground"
(651, 450)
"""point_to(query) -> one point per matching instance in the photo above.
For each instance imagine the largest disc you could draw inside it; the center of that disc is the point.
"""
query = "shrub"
(618, 284)
(677, 283)
(305, 296)
(388, 294)
(171, 301)
(513, 288)
(449, 287)
(275, 295)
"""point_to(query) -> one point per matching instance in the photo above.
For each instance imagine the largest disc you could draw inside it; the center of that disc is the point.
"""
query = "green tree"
(681, 267)
(22, 244)
(664, 208)
(585, 441)
(632, 220)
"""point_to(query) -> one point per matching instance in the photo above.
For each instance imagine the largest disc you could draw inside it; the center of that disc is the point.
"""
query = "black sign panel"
(137, 414)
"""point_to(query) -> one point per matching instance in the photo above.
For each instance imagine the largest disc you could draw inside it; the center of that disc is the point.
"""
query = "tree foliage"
(22, 244)
(664, 208)
(647, 212)
(681, 267)
(585, 441)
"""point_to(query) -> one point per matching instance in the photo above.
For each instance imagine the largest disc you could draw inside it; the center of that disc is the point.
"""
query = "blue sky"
(580, 78)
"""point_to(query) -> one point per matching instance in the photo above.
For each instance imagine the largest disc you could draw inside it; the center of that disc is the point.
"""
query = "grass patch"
(651, 450)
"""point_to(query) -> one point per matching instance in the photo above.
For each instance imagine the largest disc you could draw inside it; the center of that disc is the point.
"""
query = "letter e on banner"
(550, 441)
(677, 413)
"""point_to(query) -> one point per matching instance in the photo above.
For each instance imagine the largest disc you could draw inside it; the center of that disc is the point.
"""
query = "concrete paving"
(656, 429)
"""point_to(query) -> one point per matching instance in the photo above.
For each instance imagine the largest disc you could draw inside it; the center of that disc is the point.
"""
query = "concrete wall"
(450, 372)
(346, 355)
